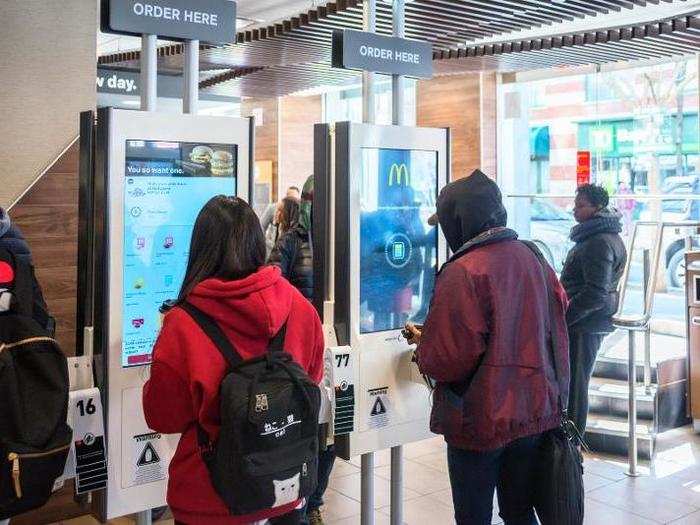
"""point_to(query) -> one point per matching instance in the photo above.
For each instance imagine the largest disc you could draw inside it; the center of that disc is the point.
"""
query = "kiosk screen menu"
(166, 185)
(398, 248)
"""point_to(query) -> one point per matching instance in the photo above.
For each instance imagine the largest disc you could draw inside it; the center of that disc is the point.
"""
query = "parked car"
(677, 210)
(550, 227)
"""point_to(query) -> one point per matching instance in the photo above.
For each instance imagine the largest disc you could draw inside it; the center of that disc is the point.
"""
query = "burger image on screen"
(201, 154)
(222, 164)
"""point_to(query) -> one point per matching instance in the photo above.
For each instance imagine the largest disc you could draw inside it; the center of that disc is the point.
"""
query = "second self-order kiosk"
(376, 188)
(153, 174)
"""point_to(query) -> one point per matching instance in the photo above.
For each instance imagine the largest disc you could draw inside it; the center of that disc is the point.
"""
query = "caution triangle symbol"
(149, 456)
(378, 407)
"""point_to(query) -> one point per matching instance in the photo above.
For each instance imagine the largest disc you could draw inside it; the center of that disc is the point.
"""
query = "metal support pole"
(398, 119)
(149, 72)
(647, 287)
(369, 19)
(397, 81)
(367, 489)
(397, 485)
(149, 98)
(632, 409)
(190, 98)
(144, 518)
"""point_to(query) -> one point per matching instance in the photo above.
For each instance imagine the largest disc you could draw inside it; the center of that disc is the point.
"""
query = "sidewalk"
(663, 346)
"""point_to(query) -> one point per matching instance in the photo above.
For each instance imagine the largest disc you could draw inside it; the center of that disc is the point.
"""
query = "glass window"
(347, 104)
(640, 125)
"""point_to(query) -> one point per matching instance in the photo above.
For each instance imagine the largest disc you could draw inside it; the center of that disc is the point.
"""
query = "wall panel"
(266, 134)
(47, 76)
(48, 217)
(297, 117)
(455, 101)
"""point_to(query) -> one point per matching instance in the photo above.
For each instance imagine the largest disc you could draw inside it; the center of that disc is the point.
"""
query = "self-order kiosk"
(153, 174)
(378, 259)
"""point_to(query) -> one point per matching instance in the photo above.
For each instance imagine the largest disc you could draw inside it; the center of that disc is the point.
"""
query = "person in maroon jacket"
(485, 342)
(226, 278)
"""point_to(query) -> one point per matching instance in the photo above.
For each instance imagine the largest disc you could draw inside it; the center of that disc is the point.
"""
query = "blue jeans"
(583, 350)
(326, 459)
(509, 470)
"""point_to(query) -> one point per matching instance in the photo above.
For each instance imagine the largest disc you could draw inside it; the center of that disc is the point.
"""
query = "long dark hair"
(290, 214)
(227, 243)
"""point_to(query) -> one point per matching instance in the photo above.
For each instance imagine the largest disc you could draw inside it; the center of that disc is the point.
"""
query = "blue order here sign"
(212, 21)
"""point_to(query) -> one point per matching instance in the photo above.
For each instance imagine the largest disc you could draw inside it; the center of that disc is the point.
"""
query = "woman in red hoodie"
(227, 279)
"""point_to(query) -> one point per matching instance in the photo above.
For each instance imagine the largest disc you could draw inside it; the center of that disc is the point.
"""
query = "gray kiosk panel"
(387, 180)
(154, 174)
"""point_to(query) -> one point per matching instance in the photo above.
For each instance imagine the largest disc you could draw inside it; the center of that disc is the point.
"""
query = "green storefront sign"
(630, 137)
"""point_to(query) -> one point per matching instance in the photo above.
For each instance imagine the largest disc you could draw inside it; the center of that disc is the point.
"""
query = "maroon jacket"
(485, 342)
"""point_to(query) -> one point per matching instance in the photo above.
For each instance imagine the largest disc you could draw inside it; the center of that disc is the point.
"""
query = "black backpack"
(266, 455)
(34, 436)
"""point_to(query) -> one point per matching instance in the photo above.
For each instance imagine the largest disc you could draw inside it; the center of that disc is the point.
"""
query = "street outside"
(667, 305)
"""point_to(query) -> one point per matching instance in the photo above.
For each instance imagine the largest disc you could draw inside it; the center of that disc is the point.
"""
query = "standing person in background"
(485, 342)
(227, 279)
(590, 276)
(268, 217)
(292, 251)
(626, 207)
(267, 221)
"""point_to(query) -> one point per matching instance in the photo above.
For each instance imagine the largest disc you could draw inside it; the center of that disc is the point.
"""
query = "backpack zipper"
(7, 346)
(14, 458)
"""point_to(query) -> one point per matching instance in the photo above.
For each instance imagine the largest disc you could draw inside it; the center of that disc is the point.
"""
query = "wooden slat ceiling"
(294, 54)
(668, 38)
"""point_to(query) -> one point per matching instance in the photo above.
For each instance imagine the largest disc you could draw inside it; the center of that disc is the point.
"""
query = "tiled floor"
(668, 493)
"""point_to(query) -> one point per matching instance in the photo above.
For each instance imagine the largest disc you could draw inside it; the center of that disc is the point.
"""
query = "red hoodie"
(188, 369)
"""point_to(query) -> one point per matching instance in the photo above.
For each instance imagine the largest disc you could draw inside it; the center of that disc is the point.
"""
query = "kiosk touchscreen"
(167, 183)
(387, 180)
(398, 248)
(154, 172)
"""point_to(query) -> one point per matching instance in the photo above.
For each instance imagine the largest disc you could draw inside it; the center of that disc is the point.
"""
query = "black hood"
(468, 207)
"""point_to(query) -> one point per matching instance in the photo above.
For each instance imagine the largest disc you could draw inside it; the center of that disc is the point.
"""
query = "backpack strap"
(566, 424)
(277, 342)
(223, 345)
(553, 336)
(213, 331)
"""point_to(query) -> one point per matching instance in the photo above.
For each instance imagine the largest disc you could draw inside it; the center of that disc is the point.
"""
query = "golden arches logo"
(399, 172)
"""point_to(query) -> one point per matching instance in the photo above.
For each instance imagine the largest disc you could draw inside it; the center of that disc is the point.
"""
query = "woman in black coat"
(590, 276)
(292, 251)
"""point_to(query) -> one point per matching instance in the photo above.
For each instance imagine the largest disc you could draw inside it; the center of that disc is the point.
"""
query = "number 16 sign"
(88, 439)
